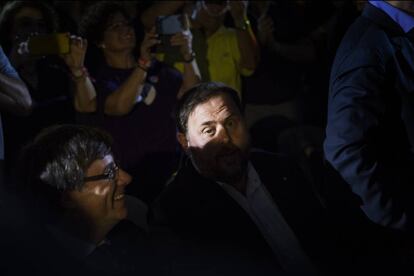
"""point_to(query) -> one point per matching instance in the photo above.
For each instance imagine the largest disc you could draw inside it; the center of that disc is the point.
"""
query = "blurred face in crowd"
(27, 21)
(217, 140)
(211, 14)
(101, 198)
(407, 6)
(119, 35)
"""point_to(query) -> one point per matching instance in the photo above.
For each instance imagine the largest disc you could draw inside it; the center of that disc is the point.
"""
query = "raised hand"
(265, 28)
(19, 53)
(184, 41)
(149, 41)
(76, 57)
(238, 10)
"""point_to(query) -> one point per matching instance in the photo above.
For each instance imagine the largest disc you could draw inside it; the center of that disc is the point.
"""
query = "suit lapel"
(222, 215)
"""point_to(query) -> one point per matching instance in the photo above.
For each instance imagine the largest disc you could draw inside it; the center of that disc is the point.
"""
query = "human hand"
(19, 53)
(238, 10)
(76, 57)
(265, 28)
(184, 41)
(150, 40)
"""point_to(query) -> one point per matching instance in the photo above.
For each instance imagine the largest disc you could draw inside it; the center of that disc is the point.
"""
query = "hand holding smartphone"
(166, 27)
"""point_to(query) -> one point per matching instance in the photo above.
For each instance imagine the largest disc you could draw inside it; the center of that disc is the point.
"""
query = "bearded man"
(248, 203)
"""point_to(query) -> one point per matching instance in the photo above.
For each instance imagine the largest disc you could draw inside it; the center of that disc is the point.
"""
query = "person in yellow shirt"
(223, 54)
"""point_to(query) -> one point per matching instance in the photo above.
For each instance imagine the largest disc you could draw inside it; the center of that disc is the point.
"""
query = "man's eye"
(231, 123)
(208, 131)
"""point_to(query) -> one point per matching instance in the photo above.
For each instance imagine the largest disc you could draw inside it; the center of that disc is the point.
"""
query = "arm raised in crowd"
(249, 50)
(123, 99)
(191, 73)
(14, 95)
(84, 91)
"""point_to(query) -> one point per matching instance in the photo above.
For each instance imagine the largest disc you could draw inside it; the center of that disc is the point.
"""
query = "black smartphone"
(49, 44)
(166, 27)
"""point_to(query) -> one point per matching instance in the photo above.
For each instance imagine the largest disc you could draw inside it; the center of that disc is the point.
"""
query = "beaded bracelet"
(144, 64)
(81, 73)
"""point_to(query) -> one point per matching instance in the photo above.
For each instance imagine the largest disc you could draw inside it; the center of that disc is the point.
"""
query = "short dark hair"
(60, 155)
(9, 11)
(200, 94)
(93, 22)
(56, 161)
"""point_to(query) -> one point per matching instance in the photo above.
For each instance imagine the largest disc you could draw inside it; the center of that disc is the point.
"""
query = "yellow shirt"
(223, 57)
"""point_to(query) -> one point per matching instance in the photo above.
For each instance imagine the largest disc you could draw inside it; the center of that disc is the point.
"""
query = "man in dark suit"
(370, 132)
(253, 203)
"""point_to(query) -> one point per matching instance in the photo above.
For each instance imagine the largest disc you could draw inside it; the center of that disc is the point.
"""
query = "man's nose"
(123, 178)
(223, 134)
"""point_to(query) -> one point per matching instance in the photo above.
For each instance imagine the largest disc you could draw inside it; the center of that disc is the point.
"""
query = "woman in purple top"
(130, 97)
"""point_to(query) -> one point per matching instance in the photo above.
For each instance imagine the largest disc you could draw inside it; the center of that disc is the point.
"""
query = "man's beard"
(225, 163)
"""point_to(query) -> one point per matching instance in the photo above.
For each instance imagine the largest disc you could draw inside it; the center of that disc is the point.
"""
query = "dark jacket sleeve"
(358, 116)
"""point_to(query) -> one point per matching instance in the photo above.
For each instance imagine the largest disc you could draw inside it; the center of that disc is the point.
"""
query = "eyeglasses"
(111, 173)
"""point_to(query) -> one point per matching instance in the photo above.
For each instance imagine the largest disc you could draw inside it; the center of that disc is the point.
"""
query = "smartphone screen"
(49, 44)
(169, 25)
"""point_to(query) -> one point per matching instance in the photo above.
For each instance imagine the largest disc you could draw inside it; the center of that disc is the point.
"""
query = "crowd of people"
(261, 137)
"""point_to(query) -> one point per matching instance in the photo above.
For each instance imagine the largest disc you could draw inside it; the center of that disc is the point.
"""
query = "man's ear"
(182, 139)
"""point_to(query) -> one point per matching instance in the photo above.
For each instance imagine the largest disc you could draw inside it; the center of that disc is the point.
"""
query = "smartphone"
(171, 24)
(49, 44)
(166, 27)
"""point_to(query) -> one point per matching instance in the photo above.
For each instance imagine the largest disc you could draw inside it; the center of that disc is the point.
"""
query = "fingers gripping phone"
(49, 44)
(166, 27)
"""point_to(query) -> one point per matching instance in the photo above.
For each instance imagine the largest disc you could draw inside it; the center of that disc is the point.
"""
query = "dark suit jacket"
(370, 131)
(199, 208)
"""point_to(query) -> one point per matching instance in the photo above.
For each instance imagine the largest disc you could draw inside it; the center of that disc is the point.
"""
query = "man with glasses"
(77, 192)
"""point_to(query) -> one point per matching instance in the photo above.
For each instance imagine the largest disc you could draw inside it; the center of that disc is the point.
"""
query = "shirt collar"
(403, 19)
(76, 247)
(253, 181)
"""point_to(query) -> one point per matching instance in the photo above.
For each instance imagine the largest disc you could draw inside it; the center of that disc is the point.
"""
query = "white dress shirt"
(261, 208)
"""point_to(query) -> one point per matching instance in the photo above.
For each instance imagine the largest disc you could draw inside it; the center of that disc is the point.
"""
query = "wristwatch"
(192, 57)
(243, 25)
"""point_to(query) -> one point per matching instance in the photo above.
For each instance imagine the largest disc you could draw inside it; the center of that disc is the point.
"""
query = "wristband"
(79, 73)
(144, 64)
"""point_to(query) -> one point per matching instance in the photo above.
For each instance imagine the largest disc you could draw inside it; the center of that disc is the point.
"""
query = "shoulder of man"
(186, 187)
(367, 42)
